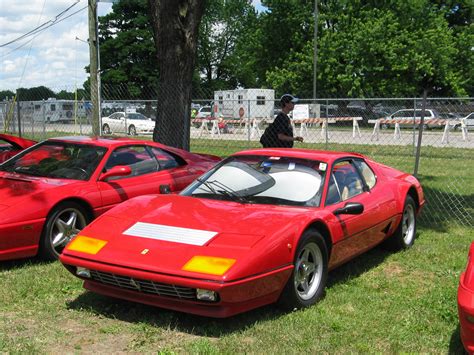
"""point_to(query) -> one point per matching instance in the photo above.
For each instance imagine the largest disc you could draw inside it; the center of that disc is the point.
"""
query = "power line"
(39, 32)
(40, 28)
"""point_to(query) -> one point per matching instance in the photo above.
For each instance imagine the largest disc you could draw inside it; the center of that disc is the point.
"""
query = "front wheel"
(106, 129)
(132, 131)
(404, 236)
(62, 224)
(308, 279)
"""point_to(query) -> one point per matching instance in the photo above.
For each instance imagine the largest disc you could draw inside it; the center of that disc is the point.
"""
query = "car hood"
(162, 233)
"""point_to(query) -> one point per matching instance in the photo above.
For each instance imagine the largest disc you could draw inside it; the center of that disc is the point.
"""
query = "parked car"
(430, 120)
(469, 120)
(132, 123)
(466, 303)
(11, 145)
(263, 226)
(52, 190)
(204, 112)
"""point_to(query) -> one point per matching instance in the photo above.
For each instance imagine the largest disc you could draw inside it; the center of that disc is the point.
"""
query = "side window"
(401, 114)
(136, 157)
(367, 173)
(165, 159)
(347, 181)
(334, 195)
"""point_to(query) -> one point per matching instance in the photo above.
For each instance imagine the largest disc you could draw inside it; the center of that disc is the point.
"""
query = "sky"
(52, 57)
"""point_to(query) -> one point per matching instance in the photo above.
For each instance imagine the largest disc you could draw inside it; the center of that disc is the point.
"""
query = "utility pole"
(315, 48)
(94, 67)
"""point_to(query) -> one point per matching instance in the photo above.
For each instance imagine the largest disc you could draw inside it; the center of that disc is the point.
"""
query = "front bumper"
(233, 297)
(466, 315)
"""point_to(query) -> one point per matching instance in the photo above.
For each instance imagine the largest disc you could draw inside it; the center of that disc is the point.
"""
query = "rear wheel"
(62, 224)
(404, 236)
(308, 279)
(132, 131)
(106, 129)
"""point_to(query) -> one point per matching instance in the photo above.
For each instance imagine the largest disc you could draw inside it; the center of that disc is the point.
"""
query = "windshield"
(58, 160)
(263, 179)
(136, 116)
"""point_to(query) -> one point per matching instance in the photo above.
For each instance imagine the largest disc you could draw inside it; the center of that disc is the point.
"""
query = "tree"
(224, 26)
(372, 48)
(6, 94)
(175, 29)
(128, 63)
(35, 93)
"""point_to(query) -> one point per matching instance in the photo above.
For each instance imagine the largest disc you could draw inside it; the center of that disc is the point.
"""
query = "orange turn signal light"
(86, 244)
(209, 265)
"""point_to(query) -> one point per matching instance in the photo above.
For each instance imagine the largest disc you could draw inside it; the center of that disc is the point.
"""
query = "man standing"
(280, 132)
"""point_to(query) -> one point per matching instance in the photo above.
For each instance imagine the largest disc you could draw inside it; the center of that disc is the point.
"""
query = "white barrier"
(397, 122)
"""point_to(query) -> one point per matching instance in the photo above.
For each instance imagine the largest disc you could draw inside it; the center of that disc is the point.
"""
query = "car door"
(146, 176)
(176, 168)
(117, 122)
(357, 233)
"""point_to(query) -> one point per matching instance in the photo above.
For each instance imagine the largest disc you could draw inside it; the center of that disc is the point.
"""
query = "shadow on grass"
(455, 344)
(445, 208)
(211, 327)
(158, 317)
(21, 263)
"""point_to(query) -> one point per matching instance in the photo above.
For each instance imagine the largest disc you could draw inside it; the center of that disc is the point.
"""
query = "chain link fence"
(388, 130)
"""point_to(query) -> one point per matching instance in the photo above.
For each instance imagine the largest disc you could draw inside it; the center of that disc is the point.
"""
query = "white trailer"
(53, 110)
(244, 103)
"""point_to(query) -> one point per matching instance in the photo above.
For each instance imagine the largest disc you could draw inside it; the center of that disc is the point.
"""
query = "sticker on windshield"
(323, 166)
(291, 166)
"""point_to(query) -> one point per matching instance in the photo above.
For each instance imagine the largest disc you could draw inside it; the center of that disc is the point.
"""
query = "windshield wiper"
(26, 170)
(218, 188)
(208, 185)
(227, 191)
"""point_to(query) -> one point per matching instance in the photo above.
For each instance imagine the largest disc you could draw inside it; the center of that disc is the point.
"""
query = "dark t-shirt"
(282, 124)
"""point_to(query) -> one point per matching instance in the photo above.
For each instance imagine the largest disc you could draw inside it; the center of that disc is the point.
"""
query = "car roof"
(321, 155)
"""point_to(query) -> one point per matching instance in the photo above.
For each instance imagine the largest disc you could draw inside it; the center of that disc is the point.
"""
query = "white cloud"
(54, 58)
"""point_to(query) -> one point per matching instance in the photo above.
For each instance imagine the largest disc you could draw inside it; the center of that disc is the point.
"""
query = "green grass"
(379, 302)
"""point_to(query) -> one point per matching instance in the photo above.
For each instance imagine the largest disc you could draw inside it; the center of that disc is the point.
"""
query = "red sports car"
(11, 145)
(52, 190)
(466, 303)
(263, 226)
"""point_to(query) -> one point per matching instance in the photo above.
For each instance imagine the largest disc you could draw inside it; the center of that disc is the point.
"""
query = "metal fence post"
(248, 124)
(18, 113)
(420, 133)
(327, 124)
(44, 119)
(414, 126)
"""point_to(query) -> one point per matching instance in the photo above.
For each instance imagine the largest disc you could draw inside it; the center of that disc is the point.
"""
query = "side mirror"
(350, 208)
(119, 170)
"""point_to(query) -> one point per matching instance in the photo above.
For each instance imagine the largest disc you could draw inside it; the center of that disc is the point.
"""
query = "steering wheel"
(81, 170)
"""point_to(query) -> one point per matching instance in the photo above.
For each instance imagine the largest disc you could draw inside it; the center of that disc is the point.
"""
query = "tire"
(308, 280)
(62, 224)
(106, 129)
(132, 130)
(404, 236)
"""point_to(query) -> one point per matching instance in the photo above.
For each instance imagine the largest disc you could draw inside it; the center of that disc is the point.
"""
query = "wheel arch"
(321, 228)
(414, 195)
(81, 202)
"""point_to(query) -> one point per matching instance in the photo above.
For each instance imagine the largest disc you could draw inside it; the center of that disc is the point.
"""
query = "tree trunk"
(175, 28)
